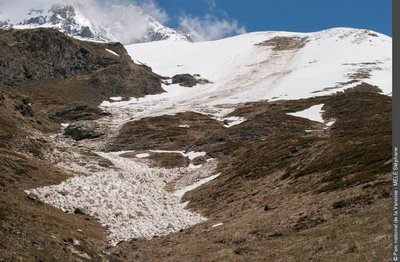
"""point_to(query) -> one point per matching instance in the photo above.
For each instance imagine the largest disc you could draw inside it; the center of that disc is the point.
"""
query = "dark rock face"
(83, 130)
(285, 43)
(4, 24)
(24, 107)
(39, 20)
(78, 112)
(188, 80)
(184, 80)
(86, 33)
(79, 211)
(45, 55)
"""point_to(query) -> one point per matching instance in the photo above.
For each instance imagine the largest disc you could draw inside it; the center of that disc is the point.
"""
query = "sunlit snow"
(313, 113)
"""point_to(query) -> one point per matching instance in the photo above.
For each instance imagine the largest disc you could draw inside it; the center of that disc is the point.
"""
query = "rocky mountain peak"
(79, 21)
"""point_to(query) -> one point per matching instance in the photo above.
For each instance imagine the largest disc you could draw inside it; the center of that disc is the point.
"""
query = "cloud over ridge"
(126, 19)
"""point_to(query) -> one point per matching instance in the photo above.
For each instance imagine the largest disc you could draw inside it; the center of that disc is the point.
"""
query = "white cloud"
(209, 27)
(152, 8)
(124, 20)
(16, 10)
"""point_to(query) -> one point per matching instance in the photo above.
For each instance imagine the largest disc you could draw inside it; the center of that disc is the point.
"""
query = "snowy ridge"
(125, 24)
(244, 68)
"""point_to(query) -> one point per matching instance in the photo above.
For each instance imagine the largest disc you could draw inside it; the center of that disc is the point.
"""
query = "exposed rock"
(187, 80)
(83, 130)
(78, 112)
(281, 43)
(25, 107)
(45, 54)
(184, 80)
(275, 234)
(199, 160)
(33, 197)
(79, 211)
(105, 163)
(269, 207)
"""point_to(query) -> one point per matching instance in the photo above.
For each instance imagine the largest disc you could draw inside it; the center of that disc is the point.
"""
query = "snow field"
(243, 71)
(131, 202)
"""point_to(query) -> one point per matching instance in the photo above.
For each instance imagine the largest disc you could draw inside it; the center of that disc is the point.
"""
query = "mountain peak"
(121, 24)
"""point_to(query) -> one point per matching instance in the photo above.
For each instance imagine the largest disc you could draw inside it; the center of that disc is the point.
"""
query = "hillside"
(62, 75)
(256, 147)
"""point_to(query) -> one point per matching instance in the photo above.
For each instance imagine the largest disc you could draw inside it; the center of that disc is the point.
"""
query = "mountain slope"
(261, 66)
(283, 139)
(58, 72)
(126, 24)
(269, 65)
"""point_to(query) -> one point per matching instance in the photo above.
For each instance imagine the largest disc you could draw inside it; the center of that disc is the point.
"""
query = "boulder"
(77, 112)
(83, 130)
(188, 80)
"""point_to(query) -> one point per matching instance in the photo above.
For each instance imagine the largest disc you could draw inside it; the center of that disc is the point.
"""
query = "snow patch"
(217, 225)
(116, 98)
(330, 123)
(144, 155)
(313, 113)
(130, 201)
(192, 154)
(179, 193)
(241, 70)
(112, 52)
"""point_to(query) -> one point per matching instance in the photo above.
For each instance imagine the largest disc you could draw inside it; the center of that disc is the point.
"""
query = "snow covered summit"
(274, 65)
(125, 24)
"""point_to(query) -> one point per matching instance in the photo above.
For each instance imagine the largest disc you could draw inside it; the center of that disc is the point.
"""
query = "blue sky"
(289, 15)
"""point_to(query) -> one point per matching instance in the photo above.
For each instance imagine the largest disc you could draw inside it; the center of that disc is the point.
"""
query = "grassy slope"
(288, 195)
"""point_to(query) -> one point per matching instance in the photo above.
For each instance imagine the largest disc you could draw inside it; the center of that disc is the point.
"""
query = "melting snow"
(131, 202)
(242, 71)
(179, 193)
(330, 123)
(112, 52)
(313, 113)
(192, 154)
(144, 155)
(116, 98)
